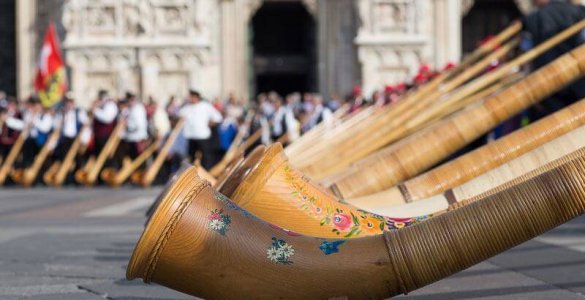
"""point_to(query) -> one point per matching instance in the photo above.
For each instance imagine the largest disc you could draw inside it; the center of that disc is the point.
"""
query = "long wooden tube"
(422, 150)
(399, 116)
(299, 149)
(116, 178)
(481, 160)
(147, 178)
(349, 130)
(510, 31)
(545, 156)
(89, 177)
(230, 154)
(200, 243)
(269, 187)
(318, 131)
(27, 177)
(57, 173)
(68, 163)
(13, 155)
(379, 136)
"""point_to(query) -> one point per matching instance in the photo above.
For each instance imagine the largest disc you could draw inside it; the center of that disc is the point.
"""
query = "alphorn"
(420, 151)
(546, 156)
(201, 243)
(116, 178)
(230, 154)
(13, 155)
(147, 178)
(379, 136)
(278, 207)
(270, 188)
(27, 177)
(89, 176)
(57, 176)
(457, 171)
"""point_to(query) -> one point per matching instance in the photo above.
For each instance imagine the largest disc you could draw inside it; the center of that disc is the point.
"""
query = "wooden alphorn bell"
(27, 177)
(9, 160)
(147, 177)
(88, 176)
(197, 233)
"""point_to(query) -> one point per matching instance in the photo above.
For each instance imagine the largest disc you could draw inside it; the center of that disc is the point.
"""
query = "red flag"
(50, 80)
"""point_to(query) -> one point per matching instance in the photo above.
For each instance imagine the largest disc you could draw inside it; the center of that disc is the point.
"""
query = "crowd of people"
(208, 131)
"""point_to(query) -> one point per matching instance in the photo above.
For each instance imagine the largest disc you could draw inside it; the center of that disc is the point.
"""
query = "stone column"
(25, 41)
(447, 37)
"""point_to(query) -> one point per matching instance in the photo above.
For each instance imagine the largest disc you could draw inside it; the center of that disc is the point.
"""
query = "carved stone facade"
(397, 35)
(158, 48)
(162, 48)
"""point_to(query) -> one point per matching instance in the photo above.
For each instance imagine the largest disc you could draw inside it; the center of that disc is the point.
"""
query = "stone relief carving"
(137, 18)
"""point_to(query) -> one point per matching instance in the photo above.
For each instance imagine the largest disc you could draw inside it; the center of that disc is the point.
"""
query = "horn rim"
(159, 227)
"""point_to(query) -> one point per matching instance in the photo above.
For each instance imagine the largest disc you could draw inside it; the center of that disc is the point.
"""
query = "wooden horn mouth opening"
(237, 175)
(199, 242)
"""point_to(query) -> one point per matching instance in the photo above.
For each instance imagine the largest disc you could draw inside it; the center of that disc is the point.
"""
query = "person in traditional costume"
(40, 121)
(105, 111)
(72, 119)
(549, 19)
(136, 129)
(11, 125)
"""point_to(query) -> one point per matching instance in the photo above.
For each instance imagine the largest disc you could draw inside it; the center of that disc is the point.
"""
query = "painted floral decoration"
(280, 252)
(330, 247)
(218, 221)
(343, 222)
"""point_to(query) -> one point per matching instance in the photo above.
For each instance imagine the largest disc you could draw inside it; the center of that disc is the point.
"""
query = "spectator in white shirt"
(199, 116)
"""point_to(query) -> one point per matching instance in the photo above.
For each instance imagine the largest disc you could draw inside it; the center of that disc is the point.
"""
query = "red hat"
(419, 78)
(424, 69)
(401, 86)
(388, 89)
(450, 65)
(357, 90)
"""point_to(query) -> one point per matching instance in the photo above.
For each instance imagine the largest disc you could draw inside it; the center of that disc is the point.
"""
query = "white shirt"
(283, 114)
(41, 123)
(69, 122)
(137, 124)
(107, 112)
(197, 118)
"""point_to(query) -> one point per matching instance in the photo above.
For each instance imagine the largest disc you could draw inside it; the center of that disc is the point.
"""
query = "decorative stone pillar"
(25, 50)
(447, 31)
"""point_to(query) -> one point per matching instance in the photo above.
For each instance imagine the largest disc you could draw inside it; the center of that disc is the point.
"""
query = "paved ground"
(75, 243)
